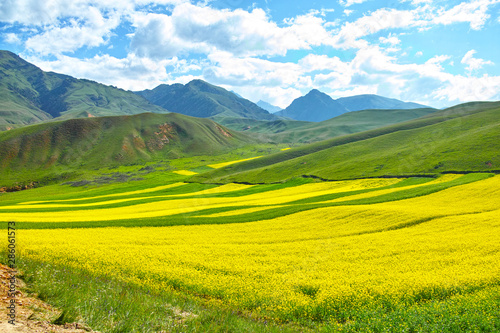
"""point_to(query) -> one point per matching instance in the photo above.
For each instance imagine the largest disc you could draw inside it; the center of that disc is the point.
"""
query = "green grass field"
(390, 230)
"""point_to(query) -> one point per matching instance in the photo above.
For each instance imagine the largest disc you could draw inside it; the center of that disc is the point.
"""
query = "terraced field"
(378, 254)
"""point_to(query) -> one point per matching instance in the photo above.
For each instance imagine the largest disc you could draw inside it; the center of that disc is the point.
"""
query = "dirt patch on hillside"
(223, 132)
(31, 314)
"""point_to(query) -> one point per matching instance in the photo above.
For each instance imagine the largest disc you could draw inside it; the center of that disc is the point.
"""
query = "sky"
(438, 53)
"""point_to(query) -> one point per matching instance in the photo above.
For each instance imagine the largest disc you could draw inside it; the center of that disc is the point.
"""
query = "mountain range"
(317, 106)
(29, 95)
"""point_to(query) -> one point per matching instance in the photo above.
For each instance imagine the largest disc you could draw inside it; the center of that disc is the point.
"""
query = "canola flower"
(130, 193)
(184, 205)
(185, 172)
(223, 164)
(442, 179)
(325, 263)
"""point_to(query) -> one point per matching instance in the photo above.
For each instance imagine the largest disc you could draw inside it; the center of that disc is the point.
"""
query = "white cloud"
(313, 62)
(474, 63)
(131, 73)
(418, 2)
(374, 71)
(39, 13)
(11, 38)
(391, 39)
(347, 3)
(381, 19)
(419, 54)
(278, 96)
(229, 70)
(472, 12)
(466, 89)
(91, 31)
(348, 12)
(203, 29)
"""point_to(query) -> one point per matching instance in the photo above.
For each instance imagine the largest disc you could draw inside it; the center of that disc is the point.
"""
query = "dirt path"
(31, 314)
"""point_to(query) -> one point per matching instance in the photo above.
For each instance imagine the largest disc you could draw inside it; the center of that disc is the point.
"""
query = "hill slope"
(29, 95)
(201, 99)
(459, 139)
(109, 141)
(347, 123)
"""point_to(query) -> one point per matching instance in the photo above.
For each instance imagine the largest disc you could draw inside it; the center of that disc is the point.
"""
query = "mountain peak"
(202, 99)
(315, 106)
(315, 92)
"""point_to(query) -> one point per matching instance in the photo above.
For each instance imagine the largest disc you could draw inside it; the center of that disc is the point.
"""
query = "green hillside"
(459, 139)
(299, 132)
(347, 123)
(261, 126)
(78, 144)
(29, 95)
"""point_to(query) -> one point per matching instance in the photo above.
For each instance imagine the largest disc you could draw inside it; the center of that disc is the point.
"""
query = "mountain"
(201, 99)
(29, 95)
(459, 139)
(88, 143)
(315, 106)
(364, 102)
(268, 107)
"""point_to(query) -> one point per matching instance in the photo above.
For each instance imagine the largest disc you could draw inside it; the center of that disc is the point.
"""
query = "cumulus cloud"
(131, 73)
(38, 13)
(193, 28)
(229, 70)
(351, 33)
(234, 47)
(11, 38)
(374, 71)
(391, 39)
(472, 12)
(91, 30)
(474, 63)
(466, 89)
(347, 3)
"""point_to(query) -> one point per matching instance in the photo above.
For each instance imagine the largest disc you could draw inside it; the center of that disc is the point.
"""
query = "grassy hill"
(201, 99)
(77, 144)
(264, 127)
(29, 95)
(347, 123)
(459, 139)
(299, 132)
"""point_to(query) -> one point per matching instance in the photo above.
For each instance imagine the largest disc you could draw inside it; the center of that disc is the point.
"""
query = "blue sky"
(438, 53)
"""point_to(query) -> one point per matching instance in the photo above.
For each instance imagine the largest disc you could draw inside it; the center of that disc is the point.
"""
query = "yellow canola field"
(146, 190)
(223, 164)
(185, 172)
(308, 264)
(179, 206)
(441, 179)
(47, 204)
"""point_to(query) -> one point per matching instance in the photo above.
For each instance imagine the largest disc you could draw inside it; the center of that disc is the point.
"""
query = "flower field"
(331, 253)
